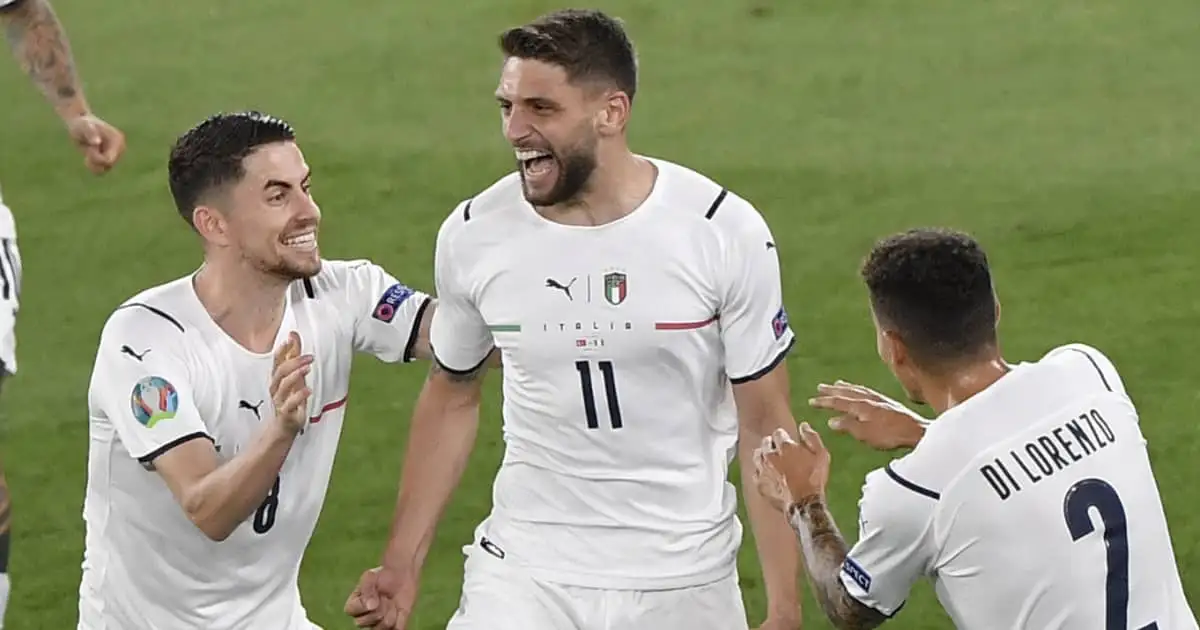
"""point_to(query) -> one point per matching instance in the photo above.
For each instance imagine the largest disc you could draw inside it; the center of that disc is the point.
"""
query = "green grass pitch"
(1062, 134)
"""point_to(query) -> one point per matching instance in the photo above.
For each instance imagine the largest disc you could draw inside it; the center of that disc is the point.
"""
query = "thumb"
(369, 593)
(90, 134)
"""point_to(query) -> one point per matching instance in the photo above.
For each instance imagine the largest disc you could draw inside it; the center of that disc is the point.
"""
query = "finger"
(284, 381)
(368, 589)
(113, 147)
(287, 373)
(354, 605)
(295, 402)
(811, 438)
(368, 620)
(281, 353)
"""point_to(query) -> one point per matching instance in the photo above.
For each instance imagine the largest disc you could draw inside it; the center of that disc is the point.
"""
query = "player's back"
(1044, 509)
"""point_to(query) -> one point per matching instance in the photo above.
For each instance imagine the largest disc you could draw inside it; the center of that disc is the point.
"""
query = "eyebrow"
(287, 185)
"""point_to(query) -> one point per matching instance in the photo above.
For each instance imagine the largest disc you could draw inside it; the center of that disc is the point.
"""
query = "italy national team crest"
(153, 400)
(616, 287)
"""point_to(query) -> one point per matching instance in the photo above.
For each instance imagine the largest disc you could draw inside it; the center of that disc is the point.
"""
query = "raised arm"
(39, 42)
(147, 395)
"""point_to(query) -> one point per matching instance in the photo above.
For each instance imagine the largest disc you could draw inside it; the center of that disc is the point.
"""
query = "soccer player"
(39, 43)
(217, 399)
(1030, 501)
(638, 309)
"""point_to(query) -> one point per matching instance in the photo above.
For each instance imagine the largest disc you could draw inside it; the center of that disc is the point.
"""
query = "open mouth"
(305, 241)
(535, 163)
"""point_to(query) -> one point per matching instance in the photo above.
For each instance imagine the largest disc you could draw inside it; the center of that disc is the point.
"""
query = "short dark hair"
(588, 44)
(934, 287)
(210, 154)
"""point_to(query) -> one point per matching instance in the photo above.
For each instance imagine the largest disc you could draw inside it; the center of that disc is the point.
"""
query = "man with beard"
(638, 309)
(217, 399)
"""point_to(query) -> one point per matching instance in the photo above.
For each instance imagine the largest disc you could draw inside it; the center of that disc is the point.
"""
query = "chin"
(300, 270)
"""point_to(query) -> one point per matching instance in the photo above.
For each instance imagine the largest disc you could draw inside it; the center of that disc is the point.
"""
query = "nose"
(516, 126)
(309, 210)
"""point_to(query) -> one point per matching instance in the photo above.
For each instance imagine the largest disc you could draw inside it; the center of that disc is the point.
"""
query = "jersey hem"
(416, 330)
(630, 583)
(469, 370)
(770, 366)
(162, 450)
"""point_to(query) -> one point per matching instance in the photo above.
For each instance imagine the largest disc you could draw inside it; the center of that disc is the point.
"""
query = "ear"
(613, 115)
(211, 224)
(897, 351)
(997, 300)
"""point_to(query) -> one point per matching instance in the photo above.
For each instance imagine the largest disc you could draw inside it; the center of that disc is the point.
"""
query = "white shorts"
(499, 596)
(10, 289)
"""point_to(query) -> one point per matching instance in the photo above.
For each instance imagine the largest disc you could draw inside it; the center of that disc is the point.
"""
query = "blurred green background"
(1064, 135)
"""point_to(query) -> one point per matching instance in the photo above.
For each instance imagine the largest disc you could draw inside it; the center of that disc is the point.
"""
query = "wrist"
(73, 110)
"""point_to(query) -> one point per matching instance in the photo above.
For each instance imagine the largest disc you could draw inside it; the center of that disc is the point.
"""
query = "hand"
(870, 417)
(786, 471)
(289, 392)
(383, 599)
(101, 143)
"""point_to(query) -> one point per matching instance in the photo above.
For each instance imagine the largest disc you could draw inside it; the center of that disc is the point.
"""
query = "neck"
(244, 302)
(960, 384)
(620, 184)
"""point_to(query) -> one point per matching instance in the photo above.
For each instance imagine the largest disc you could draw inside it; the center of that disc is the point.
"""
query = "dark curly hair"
(933, 287)
(209, 155)
(588, 44)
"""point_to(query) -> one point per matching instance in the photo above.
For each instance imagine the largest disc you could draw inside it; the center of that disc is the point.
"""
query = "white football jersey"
(1030, 505)
(165, 373)
(620, 343)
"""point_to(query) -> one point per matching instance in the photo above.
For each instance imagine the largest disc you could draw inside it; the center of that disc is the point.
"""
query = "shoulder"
(494, 202)
(335, 275)
(157, 318)
(1080, 357)
(728, 214)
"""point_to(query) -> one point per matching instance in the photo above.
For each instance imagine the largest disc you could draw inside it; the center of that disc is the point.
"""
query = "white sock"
(4, 588)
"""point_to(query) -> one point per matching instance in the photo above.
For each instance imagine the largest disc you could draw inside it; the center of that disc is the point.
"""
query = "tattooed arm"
(40, 44)
(825, 552)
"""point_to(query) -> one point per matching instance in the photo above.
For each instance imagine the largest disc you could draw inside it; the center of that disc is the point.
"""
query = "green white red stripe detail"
(684, 325)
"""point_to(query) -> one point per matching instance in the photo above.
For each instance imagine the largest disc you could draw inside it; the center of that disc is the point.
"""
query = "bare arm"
(444, 424)
(824, 552)
(40, 45)
(763, 406)
(219, 497)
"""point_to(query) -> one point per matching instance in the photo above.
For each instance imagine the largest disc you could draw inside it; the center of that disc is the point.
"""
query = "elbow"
(206, 519)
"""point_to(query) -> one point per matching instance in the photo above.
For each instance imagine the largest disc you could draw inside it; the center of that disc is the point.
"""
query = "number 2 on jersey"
(264, 516)
(1080, 499)
(589, 393)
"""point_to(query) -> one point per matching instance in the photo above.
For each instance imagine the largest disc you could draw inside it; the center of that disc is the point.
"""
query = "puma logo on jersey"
(770, 245)
(242, 404)
(551, 283)
(130, 352)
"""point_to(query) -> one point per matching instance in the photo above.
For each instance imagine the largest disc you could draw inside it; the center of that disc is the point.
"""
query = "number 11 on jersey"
(589, 393)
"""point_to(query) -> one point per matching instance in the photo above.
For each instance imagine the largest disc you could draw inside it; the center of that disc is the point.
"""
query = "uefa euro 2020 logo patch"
(385, 310)
(779, 323)
(153, 400)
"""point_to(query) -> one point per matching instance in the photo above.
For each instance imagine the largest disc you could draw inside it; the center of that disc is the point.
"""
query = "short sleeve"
(459, 336)
(386, 313)
(893, 549)
(141, 384)
(754, 324)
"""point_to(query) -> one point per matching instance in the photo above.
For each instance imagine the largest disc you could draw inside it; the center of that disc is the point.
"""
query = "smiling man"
(634, 302)
(212, 435)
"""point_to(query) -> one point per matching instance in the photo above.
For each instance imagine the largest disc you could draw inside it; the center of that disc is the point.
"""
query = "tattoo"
(470, 376)
(40, 44)
(824, 551)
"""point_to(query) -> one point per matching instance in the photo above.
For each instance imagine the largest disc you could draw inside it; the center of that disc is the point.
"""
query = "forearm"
(776, 544)
(224, 498)
(824, 550)
(439, 447)
(40, 45)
